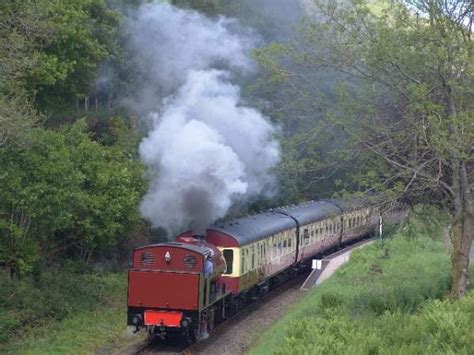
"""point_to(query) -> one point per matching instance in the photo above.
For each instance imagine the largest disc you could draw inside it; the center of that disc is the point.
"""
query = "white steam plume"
(206, 149)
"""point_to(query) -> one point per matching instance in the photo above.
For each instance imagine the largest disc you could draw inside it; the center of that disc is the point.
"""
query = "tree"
(64, 194)
(83, 33)
(407, 107)
(49, 55)
(20, 29)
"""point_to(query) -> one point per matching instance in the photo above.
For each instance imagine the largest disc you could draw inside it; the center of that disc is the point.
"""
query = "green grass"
(84, 333)
(386, 299)
(89, 316)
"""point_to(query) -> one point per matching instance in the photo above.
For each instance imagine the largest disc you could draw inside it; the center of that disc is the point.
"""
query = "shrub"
(438, 327)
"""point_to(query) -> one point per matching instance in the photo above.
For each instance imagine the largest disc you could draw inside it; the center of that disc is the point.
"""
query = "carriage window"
(289, 242)
(253, 258)
(242, 265)
(229, 260)
(306, 233)
(350, 223)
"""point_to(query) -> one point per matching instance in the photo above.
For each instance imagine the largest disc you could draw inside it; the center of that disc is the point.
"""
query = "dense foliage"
(439, 327)
(65, 194)
(69, 188)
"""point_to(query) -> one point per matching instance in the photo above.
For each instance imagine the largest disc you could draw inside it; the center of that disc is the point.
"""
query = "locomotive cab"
(170, 284)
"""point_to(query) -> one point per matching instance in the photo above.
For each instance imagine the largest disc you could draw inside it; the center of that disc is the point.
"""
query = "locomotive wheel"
(190, 336)
(150, 334)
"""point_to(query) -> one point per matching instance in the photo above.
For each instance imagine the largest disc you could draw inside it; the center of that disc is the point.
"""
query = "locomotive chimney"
(199, 237)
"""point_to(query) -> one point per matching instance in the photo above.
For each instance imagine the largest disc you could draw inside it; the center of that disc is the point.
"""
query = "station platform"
(331, 263)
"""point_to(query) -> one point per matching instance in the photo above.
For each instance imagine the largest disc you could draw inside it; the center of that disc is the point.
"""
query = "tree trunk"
(462, 233)
(462, 241)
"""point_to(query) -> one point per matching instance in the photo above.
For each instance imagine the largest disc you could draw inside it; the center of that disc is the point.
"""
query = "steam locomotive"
(187, 286)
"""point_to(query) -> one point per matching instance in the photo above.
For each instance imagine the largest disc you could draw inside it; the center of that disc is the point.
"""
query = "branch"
(405, 167)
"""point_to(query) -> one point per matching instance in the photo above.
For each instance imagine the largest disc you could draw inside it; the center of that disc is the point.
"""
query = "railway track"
(237, 334)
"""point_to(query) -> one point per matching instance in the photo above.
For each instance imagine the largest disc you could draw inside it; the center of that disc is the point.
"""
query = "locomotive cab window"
(229, 260)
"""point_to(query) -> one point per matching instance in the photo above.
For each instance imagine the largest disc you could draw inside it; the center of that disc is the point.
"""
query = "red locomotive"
(188, 286)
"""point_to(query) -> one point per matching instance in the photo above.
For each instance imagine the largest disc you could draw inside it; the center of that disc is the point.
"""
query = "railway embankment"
(388, 297)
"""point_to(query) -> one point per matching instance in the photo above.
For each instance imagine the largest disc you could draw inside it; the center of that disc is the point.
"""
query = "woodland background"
(371, 97)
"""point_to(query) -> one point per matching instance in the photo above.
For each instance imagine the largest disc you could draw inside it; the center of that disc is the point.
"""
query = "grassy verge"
(387, 299)
(84, 333)
(80, 322)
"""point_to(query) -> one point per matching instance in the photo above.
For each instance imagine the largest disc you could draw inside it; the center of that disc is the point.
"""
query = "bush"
(64, 196)
(438, 327)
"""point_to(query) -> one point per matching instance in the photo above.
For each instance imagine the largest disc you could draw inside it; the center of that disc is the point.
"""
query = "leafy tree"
(83, 33)
(20, 29)
(407, 108)
(65, 194)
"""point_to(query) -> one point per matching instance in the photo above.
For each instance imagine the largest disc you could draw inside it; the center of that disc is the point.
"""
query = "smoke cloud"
(204, 150)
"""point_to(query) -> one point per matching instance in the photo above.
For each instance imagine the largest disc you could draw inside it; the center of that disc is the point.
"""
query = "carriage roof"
(247, 230)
